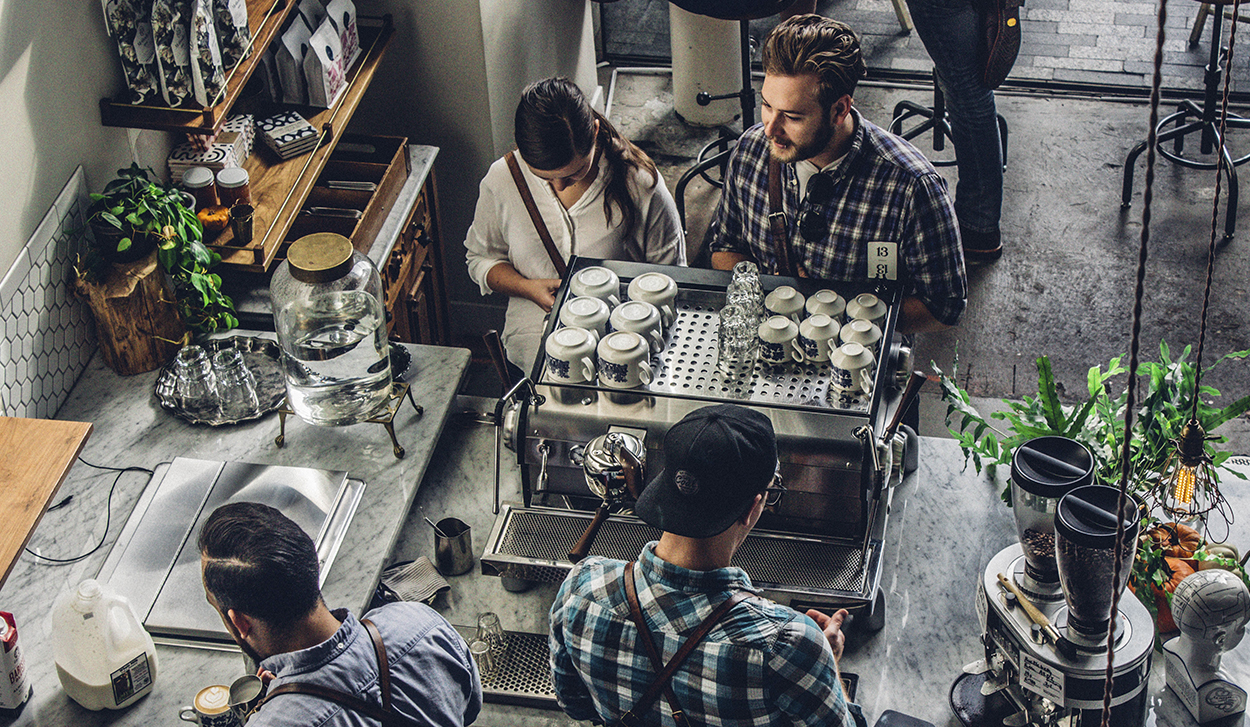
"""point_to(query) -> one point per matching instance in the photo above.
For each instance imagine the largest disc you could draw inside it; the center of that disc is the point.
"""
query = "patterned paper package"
(170, 23)
(130, 24)
(208, 77)
(234, 35)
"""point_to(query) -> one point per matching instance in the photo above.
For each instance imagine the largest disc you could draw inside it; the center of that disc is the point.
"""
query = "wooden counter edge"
(35, 458)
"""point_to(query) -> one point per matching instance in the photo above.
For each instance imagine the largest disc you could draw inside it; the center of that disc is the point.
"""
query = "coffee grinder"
(1044, 604)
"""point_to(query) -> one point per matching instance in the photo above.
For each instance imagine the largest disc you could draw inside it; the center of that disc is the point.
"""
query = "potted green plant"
(1167, 388)
(135, 214)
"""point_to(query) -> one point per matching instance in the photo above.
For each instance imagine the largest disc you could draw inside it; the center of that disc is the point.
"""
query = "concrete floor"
(1064, 288)
(1065, 285)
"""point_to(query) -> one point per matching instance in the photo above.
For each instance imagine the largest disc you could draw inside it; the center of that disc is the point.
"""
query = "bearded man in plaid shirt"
(761, 664)
(856, 202)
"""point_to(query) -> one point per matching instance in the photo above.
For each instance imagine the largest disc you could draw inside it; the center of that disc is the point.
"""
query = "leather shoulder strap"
(777, 219)
(532, 208)
(383, 714)
(384, 666)
(663, 680)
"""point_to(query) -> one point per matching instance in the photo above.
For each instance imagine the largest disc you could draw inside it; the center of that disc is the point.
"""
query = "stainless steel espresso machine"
(839, 454)
(1044, 604)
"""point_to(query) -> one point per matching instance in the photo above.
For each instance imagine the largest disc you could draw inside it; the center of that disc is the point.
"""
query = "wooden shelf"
(266, 17)
(279, 188)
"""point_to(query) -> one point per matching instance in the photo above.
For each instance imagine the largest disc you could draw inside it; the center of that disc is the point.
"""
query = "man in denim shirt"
(260, 573)
(762, 663)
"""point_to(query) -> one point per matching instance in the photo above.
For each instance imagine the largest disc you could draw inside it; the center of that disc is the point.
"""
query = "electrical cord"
(108, 511)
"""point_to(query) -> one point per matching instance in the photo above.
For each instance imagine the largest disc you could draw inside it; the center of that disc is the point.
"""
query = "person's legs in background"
(952, 33)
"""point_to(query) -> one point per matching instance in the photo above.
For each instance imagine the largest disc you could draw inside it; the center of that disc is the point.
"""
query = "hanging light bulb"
(1187, 485)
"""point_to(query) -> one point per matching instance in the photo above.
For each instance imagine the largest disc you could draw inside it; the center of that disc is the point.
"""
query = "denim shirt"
(434, 680)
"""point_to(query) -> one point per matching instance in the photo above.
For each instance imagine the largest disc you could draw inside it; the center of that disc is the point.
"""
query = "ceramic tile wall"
(48, 333)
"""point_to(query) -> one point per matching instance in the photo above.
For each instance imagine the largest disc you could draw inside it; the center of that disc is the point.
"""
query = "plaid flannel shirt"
(885, 190)
(763, 664)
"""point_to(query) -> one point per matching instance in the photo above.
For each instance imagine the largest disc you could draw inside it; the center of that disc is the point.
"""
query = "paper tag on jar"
(883, 260)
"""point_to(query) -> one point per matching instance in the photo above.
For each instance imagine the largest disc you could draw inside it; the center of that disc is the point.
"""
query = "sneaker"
(1002, 39)
(981, 248)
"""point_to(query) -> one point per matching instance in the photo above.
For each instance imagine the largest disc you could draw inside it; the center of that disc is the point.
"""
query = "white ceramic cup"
(659, 290)
(816, 334)
(586, 312)
(865, 333)
(641, 318)
(785, 301)
(867, 307)
(827, 302)
(571, 356)
(211, 708)
(597, 282)
(851, 365)
(779, 342)
(624, 360)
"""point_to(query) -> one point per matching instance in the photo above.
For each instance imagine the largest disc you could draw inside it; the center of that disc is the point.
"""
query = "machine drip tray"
(533, 544)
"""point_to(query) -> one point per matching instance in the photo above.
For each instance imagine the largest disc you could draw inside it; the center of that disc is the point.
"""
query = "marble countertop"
(945, 524)
(132, 430)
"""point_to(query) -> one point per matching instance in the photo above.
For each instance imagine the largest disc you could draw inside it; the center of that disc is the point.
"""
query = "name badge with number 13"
(883, 260)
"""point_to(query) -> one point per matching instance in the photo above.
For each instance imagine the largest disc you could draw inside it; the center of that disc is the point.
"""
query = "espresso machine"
(1045, 604)
(840, 455)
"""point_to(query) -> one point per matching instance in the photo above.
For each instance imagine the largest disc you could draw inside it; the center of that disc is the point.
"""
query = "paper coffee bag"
(323, 67)
(129, 22)
(289, 55)
(208, 78)
(170, 24)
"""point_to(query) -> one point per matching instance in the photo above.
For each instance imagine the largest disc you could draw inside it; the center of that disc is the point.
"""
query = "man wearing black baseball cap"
(679, 629)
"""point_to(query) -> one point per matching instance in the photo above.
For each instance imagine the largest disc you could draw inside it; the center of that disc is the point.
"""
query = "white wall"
(56, 63)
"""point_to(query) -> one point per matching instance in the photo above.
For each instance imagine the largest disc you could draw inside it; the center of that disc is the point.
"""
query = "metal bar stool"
(1204, 120)
(935, 119)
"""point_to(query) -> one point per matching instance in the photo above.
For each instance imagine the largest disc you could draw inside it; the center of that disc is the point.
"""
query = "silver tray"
(263, 358)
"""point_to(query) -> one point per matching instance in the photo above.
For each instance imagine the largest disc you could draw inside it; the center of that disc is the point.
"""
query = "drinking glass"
(195, 385)
(744, 290)
(491, 632)
(236, 386)
(737, 339)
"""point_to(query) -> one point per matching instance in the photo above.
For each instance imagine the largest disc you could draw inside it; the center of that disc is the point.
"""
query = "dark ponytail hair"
(555, 123)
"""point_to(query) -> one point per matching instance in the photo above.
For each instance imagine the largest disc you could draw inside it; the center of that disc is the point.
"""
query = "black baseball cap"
(716, 459)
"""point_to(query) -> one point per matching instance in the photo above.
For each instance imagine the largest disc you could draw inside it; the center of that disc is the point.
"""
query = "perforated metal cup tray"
(687, 365)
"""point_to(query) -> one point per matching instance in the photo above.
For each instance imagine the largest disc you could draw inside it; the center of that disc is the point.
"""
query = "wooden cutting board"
(35, 457)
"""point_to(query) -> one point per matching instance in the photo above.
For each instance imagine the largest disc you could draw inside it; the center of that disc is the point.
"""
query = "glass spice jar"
(233, 186)
(199, 181)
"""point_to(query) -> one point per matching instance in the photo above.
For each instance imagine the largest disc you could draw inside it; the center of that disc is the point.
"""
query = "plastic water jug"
(104, 658)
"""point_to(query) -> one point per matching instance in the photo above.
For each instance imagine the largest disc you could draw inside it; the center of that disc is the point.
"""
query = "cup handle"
(668, 314)
(644, 373)
(589, 367)
(796, 350)
(613, 300)
(182, 715)
(865, 381)
(657, 340)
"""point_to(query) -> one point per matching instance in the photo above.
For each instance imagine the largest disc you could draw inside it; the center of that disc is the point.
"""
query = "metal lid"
(1051, 466)
(320, 257)
(197, 177)
(602, 464)
(1086, 516)
(232, 177)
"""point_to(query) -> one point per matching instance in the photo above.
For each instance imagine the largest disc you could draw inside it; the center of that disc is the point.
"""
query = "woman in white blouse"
(598, 194)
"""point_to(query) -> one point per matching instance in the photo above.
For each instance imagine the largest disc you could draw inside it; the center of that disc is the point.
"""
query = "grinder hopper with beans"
(613, 463)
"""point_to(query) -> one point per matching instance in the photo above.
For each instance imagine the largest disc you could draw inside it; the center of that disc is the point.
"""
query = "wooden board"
(35, 457)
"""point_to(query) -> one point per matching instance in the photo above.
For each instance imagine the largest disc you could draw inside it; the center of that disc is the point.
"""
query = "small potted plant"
(133, 216)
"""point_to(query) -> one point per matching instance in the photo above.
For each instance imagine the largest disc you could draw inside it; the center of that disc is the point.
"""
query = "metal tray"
(263, 358)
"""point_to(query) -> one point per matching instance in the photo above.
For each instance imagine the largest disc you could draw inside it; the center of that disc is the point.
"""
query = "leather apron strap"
(664, 678)
(383, 714)
(531, 207)
(777, 220)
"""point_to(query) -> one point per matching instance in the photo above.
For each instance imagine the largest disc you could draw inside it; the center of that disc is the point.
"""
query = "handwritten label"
(1040, 678)
(883, 260)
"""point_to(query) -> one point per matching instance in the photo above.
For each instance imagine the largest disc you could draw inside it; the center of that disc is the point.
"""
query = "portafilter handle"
(909, 394)
(631, 470)
(494, 346)
(588, 538)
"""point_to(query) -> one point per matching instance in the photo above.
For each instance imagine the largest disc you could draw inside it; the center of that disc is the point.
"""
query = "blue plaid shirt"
(885, 190)
(763, 664)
